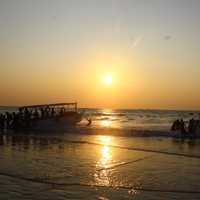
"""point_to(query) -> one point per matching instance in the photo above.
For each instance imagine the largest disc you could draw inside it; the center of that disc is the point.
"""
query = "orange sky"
(59, 51)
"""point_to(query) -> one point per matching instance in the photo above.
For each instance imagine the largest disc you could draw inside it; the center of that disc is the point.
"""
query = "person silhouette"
(182, 128)
(191, 126)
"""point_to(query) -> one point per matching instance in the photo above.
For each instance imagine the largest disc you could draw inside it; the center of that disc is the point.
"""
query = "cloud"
(135, 42)
(167, 37)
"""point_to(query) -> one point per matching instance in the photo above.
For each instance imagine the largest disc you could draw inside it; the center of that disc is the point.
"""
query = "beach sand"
(77, 166)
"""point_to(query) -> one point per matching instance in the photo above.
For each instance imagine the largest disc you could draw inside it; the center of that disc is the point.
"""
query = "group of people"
(191, 130)
(24, 117)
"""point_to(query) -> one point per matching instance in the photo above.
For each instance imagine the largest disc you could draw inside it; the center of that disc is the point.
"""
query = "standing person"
(27, 117)
(42, 113)
(47, 111)
(36, 114)
(8, 119)
(176, 125)
(2, 121)
(52, 112)
(15, 121)
(27, 113)
(191, 126)
(21, 114)
(182, 128)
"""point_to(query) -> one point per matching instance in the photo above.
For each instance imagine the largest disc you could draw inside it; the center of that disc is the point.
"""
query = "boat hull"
(56, 123)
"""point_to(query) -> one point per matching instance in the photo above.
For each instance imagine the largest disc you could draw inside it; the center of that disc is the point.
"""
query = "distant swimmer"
(89, 121)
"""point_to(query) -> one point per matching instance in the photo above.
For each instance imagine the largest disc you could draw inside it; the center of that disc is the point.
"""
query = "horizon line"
(104, 108)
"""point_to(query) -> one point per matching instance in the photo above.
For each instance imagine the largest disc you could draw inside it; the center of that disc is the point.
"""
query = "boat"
(58, 116)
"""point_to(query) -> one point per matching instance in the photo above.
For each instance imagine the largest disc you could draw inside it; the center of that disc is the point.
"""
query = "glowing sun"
(108, 79)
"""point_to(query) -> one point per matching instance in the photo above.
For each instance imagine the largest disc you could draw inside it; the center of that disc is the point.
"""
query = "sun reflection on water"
(105, 140)
(102, 176)
(105, 151)
(105, 123)
(106, 156)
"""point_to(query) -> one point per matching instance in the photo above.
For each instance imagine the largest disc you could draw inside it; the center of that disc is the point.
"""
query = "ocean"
(137, 119)
(105, 160)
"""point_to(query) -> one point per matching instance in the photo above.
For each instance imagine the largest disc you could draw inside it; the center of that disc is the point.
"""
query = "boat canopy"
(72, 105)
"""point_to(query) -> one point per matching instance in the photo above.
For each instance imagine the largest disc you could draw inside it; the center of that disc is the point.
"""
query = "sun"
(108, 79)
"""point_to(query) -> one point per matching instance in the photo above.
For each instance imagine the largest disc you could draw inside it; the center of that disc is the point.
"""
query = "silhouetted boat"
(57, 116)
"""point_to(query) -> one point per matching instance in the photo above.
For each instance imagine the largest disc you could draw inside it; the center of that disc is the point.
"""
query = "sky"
(59, 51)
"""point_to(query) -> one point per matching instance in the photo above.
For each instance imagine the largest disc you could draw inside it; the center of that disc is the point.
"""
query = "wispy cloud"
(167, 37)
(136, 41)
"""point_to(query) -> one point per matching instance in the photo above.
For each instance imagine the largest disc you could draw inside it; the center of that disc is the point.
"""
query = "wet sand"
(77, 166)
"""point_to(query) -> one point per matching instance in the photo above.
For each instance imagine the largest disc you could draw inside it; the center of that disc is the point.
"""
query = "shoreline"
(101, 131)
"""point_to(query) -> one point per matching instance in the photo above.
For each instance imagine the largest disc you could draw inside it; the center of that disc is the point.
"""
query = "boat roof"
(49, 105)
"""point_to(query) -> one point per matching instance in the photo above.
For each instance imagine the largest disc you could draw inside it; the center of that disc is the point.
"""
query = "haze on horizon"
(59, 51)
